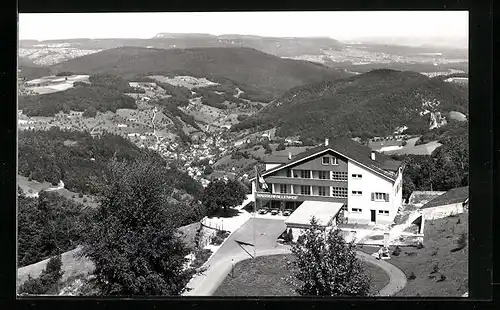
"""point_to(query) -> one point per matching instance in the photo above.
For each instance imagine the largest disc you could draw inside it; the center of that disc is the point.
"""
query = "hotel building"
(341, 177)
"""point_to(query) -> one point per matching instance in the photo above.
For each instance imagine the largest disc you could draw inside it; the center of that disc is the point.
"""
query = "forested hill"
(268, 73)
(372, 104)
(81, 160)
(105, 92)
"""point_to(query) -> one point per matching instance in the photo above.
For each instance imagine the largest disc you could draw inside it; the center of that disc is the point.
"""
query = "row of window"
(322, 174)
(359, 210)
(336, 192)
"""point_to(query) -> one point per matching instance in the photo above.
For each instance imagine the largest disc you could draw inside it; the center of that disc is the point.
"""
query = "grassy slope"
(264, 276)
(440, 239)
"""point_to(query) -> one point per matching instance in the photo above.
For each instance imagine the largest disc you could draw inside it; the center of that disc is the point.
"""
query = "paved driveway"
(267, 232)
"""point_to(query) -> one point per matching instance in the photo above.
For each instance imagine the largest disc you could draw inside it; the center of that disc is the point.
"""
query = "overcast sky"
(337, 25)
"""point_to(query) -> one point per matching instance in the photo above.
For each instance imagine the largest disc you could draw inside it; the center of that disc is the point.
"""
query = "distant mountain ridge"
(268, 73)
(369, 104)
(283, 47)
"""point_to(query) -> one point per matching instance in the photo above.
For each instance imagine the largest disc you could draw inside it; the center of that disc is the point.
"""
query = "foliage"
(280, 147)
(412, 276)
(47, 282)
(172, 109)
(132, 238)
(89, 112)
(326, 265)
(373, 104)
(208, 170)
(112, 81)
(446, 168)
(396, 251)
(43, 156)
(220, 194)
(47, 225)
(461, 242)
(201, 256)
(180, 94)
(267, 73)
(77, 99)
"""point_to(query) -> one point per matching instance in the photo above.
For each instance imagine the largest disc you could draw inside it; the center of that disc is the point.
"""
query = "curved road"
(268, 230)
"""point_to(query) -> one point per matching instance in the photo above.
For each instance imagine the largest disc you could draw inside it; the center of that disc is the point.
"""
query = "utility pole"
(255, 208)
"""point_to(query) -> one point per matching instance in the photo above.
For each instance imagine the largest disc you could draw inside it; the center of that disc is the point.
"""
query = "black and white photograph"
(232, 154)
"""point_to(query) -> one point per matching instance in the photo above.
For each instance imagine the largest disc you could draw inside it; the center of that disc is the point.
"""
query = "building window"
(305, 174)
(324, 175)
(305, 190)
(283, 188)
(326, 160)
(339, 176)
(339, 192)
(356, 210)
(380, 197)
(356, 176)
(289, 173)
(322, 191)
(384, 212)
(335, 161)
(357, 193)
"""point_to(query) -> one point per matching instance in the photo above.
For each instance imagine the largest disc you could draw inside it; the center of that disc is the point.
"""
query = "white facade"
(371, 182)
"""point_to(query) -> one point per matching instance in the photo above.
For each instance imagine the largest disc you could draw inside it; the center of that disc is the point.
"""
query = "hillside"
(81, 160)
(79, 98)
(369, 104)
(268, 73)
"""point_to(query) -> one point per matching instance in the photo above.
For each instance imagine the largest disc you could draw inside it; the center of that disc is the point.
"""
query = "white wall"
(369, 183)
(271, 166)
(442, 211)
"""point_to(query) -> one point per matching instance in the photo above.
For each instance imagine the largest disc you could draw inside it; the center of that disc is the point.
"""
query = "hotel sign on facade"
(282, 197)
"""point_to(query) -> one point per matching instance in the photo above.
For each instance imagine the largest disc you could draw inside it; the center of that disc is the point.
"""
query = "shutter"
(373, 196)
(387, 197)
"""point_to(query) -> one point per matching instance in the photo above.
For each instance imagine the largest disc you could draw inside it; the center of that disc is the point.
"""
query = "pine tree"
(326, 265)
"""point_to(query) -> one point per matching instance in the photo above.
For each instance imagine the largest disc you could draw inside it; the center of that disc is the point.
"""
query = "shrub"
(461, 242)
(280, 147)
(216, 240)
(441, 278)
(84, 200)
(435, 269)
(396, 251)
(412, 276)
(201, 257)
(434, 253)
(458, 222)
(48, 282)
(80, 195)
(420, 245)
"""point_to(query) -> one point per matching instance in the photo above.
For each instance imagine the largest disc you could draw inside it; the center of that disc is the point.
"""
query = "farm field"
(185, 81)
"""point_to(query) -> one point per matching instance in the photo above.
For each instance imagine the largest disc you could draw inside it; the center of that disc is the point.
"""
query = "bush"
(435, 269)
(288, 236)
(280, 147)
(420, 245)
(441, 278)
(48, 282)
(396, 251)
(80, 195)
(201, 257)
(412, 276)
(461, 242)
(84, 200)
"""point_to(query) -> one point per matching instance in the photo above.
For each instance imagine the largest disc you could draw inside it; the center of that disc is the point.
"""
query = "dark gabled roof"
(353, 150)
(455, 195)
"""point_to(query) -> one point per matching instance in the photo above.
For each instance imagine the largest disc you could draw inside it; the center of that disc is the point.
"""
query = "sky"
(337, 25)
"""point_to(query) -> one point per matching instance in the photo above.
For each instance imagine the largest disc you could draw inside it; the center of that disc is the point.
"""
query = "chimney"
(373, 155)
(326, 142)
(289, 155)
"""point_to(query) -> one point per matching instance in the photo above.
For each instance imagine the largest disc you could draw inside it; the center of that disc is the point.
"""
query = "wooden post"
(255, 208)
